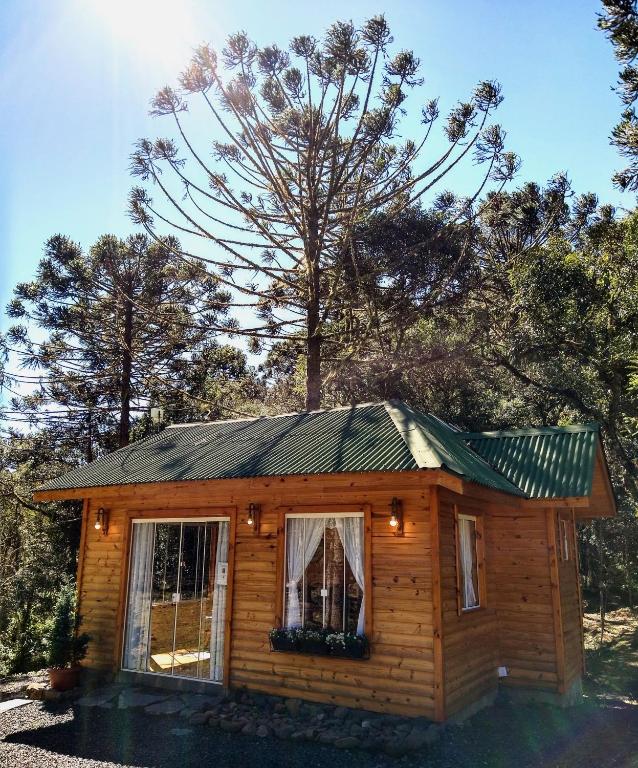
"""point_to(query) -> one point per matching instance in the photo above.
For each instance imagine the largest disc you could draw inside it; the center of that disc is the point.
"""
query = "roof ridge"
(544, 430)
(424, 453)
(274, 415)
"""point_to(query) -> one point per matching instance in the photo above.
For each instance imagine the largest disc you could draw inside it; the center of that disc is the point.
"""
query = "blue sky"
(76, 77)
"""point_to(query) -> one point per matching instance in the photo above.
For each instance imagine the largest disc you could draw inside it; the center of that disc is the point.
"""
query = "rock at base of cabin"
(293, 706)
(328, 737)
(168, 707)
(130, 698)
(198, 718)
(250, 729)
(36, 691)
(347, 742)
(284, 731)
(231, 726)
(263, 731)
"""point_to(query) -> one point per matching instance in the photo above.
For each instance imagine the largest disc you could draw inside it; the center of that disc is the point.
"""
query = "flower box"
(313, 645)
(314, 642)
(348, 646)
(284, 640)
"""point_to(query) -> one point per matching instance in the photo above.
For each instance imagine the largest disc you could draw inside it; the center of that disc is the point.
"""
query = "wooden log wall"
(470, 639)
(570, 599)
(519, 562)
(426, 659)
(398, 677)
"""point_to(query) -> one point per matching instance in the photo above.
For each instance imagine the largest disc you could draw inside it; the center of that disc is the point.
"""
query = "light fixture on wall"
(102, 521)
(396, 516)
(252, 520)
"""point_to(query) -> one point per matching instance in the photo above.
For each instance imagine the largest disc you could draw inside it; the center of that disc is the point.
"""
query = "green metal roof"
(545, 462)
(386, 437)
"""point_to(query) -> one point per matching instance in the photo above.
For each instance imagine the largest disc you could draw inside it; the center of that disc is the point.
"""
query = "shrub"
(65, 646)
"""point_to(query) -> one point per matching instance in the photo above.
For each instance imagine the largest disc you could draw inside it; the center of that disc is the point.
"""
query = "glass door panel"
(192, 626)
(166, 551)
(177, 599)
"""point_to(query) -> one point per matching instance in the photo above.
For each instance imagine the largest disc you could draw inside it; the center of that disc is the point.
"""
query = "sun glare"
(161, 33)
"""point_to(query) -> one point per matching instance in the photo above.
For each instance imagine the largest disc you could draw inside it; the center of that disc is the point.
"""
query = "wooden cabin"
(454, 554)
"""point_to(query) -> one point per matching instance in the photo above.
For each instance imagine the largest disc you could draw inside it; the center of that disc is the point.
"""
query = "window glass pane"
(312, 585)
(165, 575)
(468, 560)
(191, 625)
(335, 578)
(321, 589)
(353, 598)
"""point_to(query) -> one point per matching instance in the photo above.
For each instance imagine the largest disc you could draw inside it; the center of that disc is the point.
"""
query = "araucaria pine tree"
(304, 144)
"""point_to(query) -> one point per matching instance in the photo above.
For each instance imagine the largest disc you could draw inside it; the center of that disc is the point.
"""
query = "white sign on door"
(221, 574)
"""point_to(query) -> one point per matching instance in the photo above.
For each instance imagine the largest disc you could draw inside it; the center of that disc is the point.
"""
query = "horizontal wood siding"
(398, 677)
(470, 646)
(519, 564)
(570, 606)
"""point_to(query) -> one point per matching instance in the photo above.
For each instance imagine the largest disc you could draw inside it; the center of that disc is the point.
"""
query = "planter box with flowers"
(348, 646)
(320, 642)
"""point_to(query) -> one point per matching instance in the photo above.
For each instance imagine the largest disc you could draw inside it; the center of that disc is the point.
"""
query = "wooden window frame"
(324, 510)
(480, 561)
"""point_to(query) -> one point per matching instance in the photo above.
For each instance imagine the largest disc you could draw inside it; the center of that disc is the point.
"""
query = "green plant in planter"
(347, 644)
(313, 641)
(66, 648)
(284, 639)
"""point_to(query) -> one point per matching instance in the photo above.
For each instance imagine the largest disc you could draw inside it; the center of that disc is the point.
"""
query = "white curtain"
(218, 620)
(466, 528)
(139, 598)
(302, 540)
(350, 530)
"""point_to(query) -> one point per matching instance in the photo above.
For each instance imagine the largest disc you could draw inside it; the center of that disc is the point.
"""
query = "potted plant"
(284, 639)
(66, 648)
(348, 645)
(313, 641)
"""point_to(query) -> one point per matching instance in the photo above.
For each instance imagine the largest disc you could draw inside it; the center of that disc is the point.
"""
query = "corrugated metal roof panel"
(386, 437)
(544, 462)
(361, 439)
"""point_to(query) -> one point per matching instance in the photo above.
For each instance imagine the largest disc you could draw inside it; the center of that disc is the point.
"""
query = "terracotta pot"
(64, 678)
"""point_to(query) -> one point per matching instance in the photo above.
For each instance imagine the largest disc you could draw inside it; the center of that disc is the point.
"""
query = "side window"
(564, 539)
(469, 554)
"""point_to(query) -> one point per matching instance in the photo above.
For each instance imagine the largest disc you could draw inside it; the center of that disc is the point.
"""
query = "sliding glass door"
(177, 598)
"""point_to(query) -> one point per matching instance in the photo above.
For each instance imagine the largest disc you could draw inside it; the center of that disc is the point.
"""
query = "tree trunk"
(626, 563)
(313, 340)
(127, 366)
(89, 436)
(602, 586)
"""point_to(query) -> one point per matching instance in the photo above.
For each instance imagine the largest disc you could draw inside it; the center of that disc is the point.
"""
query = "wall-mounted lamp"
(102, 521)
(252, 520)
(396, 517)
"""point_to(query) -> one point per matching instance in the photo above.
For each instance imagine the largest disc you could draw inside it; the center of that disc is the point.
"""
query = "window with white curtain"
(324, 585)
(564, 539)
(468, 562)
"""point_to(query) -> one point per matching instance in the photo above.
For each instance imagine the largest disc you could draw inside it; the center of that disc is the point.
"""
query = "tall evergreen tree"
(306, 145)
(104, 330)
(620, 22)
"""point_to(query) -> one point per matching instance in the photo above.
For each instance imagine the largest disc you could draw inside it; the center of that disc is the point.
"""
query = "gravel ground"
(597, 734)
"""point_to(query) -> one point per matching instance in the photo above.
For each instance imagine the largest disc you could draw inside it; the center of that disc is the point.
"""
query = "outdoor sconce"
(253, 517)
(396, 517)
(102, 521)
